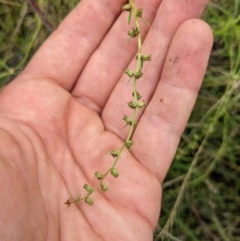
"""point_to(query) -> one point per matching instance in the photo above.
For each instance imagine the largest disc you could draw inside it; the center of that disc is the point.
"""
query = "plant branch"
(135, 104)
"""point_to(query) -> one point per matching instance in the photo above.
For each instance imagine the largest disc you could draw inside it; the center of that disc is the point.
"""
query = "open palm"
(60, 118)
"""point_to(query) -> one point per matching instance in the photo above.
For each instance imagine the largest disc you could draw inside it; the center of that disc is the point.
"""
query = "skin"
(63, 114)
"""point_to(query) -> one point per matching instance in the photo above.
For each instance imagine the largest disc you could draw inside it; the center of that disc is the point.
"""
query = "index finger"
(65, 53)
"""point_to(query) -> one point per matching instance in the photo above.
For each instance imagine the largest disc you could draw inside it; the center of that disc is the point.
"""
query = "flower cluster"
(135, 104)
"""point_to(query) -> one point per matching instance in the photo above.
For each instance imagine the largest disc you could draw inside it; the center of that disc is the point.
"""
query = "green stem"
(134, 113)
(132, 125)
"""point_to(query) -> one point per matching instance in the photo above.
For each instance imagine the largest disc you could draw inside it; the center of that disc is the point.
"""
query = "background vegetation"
(201, 198)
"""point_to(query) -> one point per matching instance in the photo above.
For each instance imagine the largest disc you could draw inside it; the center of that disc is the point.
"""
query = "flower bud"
(138, 74)
(129, 73)
(142, 104)
(133, 32)
(114, 153)
(104, 187)
(88, 200)
(69, 201)
(146, 57)
(114, 172)
(139, 13)
(132, 105)
(77, 199)
(127, 120)
(138, 95)
(126, 7)
(128, 144)
(88, 188)
(98, 175)
(143, 58)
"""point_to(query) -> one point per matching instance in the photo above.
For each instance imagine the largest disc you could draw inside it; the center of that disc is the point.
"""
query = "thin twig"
(41, 14)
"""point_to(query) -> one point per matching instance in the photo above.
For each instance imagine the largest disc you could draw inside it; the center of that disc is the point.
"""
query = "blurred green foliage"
(22, 31)
(210, 146)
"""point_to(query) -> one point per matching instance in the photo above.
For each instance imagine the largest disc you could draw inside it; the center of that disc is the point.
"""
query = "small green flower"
(114, 172)
(143, 58)
(132, 105)
(88, 200)
(139, 13)
(129, 72)
(146, 57)
(104, 187)
(128, 121)
(128, 144)
(126, 7)
(114, 153)
(77, 198)
(138, 74)
(142, 104)
(88, 188)
(138, 95)
(98, 175)
(133, 32)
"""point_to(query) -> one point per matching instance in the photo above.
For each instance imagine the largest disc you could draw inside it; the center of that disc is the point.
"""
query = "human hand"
(63, 114)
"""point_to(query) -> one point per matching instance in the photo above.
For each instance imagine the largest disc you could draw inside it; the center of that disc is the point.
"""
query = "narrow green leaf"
(129, 16)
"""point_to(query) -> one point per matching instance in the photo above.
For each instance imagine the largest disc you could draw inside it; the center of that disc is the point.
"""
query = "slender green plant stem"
(135, 105)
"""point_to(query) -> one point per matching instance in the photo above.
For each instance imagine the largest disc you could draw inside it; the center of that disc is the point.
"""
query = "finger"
(158, 132)
(107, 64)
(170, 16)
(65, 53)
